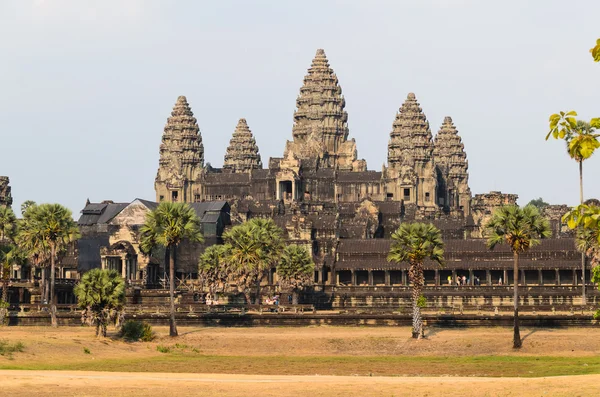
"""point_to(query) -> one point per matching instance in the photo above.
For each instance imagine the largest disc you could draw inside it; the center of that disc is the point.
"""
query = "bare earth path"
(73, 383)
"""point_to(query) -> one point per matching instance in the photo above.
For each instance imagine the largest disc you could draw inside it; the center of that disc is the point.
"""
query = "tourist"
(449, 280)
(500, 281)
(464, 280)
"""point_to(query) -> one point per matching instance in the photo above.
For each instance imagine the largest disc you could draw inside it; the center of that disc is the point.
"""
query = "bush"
(136, 330)
(163, 349)
(7, 349)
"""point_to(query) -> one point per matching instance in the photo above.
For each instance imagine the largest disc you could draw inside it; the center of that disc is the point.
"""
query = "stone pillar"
(523, 280)
(353, 277)
(320, 275)
(488, 277)
(505, 277)
(404, 278)
(540, 277)
(471, 277)
(557, 276)
(454, 276)
(387, 277)
(337, 277)
(370, 272)
(124, 266)
(575, 277)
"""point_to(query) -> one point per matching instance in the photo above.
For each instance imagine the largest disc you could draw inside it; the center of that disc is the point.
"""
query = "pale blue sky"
(86, 86)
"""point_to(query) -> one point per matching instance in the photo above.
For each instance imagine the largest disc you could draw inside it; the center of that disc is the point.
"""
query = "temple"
(5, 194)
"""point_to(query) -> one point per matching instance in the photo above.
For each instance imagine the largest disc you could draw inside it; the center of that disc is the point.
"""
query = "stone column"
(353, 277)
(404, 278)
(337, 277)
(387, 277)
(575, 277)
(540, 277)
(557, 276)
(471, 277)
(370, 279)
(124, 266)
(437, 278)
(453, 276)
(320, 275)
(523, 280)
(488, 277)
(505, 277)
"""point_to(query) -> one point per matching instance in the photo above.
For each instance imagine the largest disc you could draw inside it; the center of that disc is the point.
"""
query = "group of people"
(464, 280)
(274, 300)
(210, 301)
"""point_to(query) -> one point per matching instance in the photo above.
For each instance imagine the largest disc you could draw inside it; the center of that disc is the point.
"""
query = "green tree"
(596, 51)
(539, 203)
(414, 243)
(168, 225)
(295, 269)
(255, 246)
(49, 227)
(101, 293)
(10, 255)
(213, 269)
(26, 204)
(582, 140)
(521, 229)
(31, 241)
(8, 224)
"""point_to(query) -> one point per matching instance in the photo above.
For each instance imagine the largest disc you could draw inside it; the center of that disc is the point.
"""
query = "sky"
(86, 86)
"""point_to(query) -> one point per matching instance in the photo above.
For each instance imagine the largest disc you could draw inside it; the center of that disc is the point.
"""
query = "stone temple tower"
(181, 156)
(242, 154)
(5, 195)
(411, 170)
(452, 165)
(320, 122)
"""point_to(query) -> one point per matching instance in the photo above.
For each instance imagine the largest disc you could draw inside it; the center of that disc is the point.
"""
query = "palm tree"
(49, 227)
(295, 269)
(582, 140)
(100, 293)
(212, 267)
(8, 224)
(255, 247)
(521, 229)
(168, 225)
(414, 243)
(31, 241)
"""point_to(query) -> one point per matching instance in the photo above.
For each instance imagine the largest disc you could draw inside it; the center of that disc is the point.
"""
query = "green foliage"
(86, 351)
(585, 215)
(168, 225)
(422, 301)
(596, 51)
(133, 331)
(9, 255)
(7, 349)
(539, 203)
(213, 267)
(520, 228)
(415, 242)
(8, 224)
(100, 293)
(25, 206)
(295, 268)
(253, 247)
(163, 349)
(580, 136)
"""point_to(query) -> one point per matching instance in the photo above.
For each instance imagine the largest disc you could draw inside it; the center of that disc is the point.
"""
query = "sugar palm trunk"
(583, 294)
(172, 325)
(52, 282)
(416, 276)
(517, 333)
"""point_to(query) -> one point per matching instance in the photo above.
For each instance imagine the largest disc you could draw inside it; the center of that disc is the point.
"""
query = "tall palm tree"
(168, 225)
(31, 241)
(100, 293)
(414, 243)
(8, 224)
(49, 227)
(521, 229)
(295, 269)
(271, 239)
(10, 255)
(582, 140)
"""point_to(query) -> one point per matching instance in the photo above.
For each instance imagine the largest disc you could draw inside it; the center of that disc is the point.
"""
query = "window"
(407, 194)
(174, 196)
(161, 198)
(427, 196)
(197, 198)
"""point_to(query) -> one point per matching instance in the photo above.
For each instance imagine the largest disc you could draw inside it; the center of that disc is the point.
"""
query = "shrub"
(86, 350)
(7, 349)
(163, 349)
(136, 330)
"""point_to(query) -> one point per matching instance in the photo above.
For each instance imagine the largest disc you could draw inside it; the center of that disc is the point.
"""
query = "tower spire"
(242, 154)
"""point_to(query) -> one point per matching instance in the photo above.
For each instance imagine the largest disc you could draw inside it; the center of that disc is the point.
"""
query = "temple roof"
(242, 154)
(410, 139)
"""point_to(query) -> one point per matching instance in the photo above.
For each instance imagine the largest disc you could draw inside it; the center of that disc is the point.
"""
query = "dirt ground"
(59, 383)
(285, 361)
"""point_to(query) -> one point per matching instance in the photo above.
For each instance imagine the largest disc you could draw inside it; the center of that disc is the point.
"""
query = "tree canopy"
(539, 203)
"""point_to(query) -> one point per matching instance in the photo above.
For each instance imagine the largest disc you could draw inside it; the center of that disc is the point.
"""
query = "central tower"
(320, 122)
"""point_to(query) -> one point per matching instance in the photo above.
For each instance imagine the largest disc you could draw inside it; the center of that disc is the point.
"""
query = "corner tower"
(5, 194)
(181, 156)
(320, 122)
(452, 168)
(410, 156)
(242, 154)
